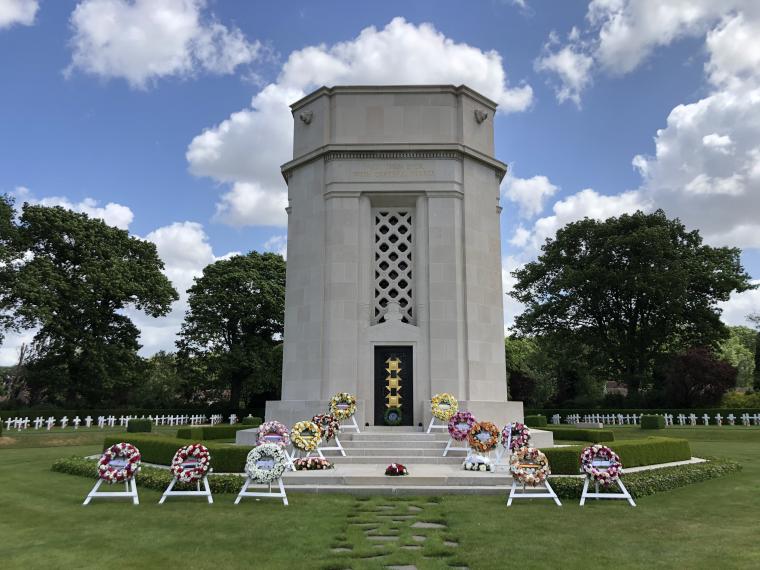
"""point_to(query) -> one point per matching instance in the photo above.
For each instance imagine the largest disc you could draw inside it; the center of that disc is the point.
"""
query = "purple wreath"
(460, 425)
(520, 436)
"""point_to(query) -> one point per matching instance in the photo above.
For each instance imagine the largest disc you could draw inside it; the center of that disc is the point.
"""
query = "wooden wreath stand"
(450, 447)
(337, 447)
(624, 494)
(351, 425)
(206, 492)
(544, 492)
(435, 423)
(130, 492)
(244, 492)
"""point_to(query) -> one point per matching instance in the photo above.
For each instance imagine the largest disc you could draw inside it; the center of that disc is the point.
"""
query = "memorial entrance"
(394, 386)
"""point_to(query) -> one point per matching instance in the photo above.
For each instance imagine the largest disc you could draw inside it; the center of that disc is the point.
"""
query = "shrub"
(536, 421)
(135, 426)
(160, 450)
(580, 434)
(207, 433)
(652, 422)
(632, 452)
(251, 421)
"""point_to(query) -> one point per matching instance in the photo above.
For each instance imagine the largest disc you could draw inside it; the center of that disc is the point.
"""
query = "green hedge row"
(251, 421)
(699, 412)
(582, 434)
(139, 426)
(206, 433)
(537, 421)
(652, 422)
(632, 452)
(225, 458)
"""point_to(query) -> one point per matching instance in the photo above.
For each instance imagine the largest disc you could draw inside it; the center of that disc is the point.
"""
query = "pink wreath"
(460, 425)
(274, 432)
(606, 476)
(125, 451)
(520, 436)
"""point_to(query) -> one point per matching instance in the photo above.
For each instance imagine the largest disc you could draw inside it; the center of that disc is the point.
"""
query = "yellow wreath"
(444, 406)
(306, 435)
(342, 406)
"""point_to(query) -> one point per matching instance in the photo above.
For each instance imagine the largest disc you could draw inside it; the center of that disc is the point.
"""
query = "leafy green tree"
(739, 351)
(234, 322)
(161, 385)
(633, 288)
(697, 378)
(73, 279)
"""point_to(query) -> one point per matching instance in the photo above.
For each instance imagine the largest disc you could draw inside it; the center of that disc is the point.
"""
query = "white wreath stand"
(244, 492)
(337, 447)
(501, 451)
(545, 492)
(206, 492)
(351, 425)
(450, 447)
(289, 457)
(435, 423)
(598, 495)
(131, 492)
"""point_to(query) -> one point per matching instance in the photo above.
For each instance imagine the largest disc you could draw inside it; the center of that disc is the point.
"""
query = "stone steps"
(397, 458)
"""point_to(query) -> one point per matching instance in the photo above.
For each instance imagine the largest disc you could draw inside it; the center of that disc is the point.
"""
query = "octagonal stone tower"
(394, 288)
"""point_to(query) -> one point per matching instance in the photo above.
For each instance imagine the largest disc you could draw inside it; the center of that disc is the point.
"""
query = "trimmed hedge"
(142, 426)
(537, 421)
(225, 458)
(251, 421)
(210, 432)
(699, 412)
(652, 422)
(632, 452)
(582, 434)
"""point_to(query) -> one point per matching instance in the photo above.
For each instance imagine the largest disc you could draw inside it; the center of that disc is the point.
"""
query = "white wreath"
(262, 452)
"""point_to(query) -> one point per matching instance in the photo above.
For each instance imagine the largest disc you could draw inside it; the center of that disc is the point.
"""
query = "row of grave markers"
(670, 419)
(108, 421)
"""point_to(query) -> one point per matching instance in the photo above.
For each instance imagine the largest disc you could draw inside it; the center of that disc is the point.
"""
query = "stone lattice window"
(393, 262)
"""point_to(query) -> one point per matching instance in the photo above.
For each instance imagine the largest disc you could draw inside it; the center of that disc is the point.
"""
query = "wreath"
(396, 469)
(484, 436)
(444, 406)
(265, 463)
(312, 464)
(191, 463)
(476, 462)
(460, 425)
(529, 466)
(328, 425)
(119, 463)
(274, 432)
(605, 473)
(343, 406)
(393, 416)
(520, 436)
(306, 435)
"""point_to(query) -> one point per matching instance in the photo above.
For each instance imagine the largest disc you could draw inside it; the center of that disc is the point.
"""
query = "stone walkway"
(394, 533)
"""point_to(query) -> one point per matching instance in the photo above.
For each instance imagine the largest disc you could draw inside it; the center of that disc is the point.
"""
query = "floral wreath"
(520, 436)
(194, 470)
(120, 473)
(311, 464)
(267, 451)
(483, 436)
(328, 425)
(460, 425)
(605, 476)
(393, 416)
(529, 466)
(306, 442)
(444, 406)
(396, 470)
(274, 432)
(475, 462)
(343, 406)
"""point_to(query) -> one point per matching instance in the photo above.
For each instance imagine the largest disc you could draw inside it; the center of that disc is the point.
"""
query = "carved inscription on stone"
(384, 170)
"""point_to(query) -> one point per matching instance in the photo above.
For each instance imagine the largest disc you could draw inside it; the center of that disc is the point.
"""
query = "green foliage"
(739, 351)
(160, 450)
(652, 422)
(632, 452)
(631, 289)
(740, 400)
(697, 378)
(582, 434)
(643, 483)
(234, 321)
(139, 426)
(536, 421)
(207, 433)
(251, 421)
(161, 385)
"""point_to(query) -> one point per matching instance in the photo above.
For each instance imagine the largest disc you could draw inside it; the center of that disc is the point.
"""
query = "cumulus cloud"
(277, 244)
(113, 214)
(144, 40)
(529, 193)
(736, 309)
(573, 70)
(247, 149)
(20, 12)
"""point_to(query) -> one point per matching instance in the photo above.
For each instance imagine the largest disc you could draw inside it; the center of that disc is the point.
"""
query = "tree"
(633, 288)
(161, 385)
(739, 351)
(696, 378)
(234, 322)
(73, 278)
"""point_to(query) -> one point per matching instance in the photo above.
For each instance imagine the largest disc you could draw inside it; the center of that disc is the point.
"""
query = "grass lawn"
(42, 523)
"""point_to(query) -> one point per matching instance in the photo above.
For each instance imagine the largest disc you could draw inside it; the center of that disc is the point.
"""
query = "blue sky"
(169, 117)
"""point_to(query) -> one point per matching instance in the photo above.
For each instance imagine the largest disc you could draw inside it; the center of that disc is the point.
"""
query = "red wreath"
(126, 451)
(196, 472)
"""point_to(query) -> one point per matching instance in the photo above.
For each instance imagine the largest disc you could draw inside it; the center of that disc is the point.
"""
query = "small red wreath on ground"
(312, 464)
(119, 463)
(520, 436)
(328, 424)
(600, 464)
(460, 425)
(396, 470)
(191, 463)
(484, 436)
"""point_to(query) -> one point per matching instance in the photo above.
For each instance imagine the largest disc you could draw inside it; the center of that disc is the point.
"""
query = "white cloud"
(399, 53)
(18, 12)
(573, 69)
(529, 193)
(736, 309)
(113, 214)
(277, 244)
(719, 143)
(144, 40)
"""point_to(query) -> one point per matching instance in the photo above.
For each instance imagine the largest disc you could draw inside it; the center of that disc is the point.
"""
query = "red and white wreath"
(274, 432)
(600, 464)
(191, 463)
(119, 463)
